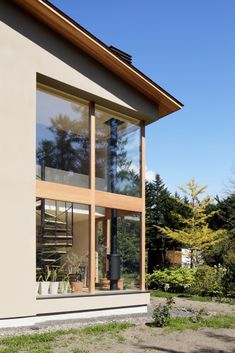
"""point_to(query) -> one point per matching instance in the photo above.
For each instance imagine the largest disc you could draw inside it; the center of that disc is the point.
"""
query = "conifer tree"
(159, 204)
(195, 233)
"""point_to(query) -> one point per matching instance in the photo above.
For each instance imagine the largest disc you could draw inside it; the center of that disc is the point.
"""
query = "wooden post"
(92, 206)
(142, 218)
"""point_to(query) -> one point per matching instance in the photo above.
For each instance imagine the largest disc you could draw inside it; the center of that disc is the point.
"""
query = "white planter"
(63, 287)
(44, 288)
(54, 286)
(37, 287)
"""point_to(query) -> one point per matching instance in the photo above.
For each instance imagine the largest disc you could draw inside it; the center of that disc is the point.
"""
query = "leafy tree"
(195, 233)
(223, 253)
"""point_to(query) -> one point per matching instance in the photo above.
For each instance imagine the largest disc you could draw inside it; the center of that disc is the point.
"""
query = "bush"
(161, 313)
(208, 281)
(177, 280)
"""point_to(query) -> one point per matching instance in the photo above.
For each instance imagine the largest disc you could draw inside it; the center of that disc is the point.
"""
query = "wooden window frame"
(94, 198)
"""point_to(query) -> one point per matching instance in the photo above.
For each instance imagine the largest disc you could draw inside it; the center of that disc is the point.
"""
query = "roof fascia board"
(74, 33)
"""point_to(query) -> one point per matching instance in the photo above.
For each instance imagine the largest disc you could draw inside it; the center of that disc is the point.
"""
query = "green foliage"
(208, 281)
(111, 327)
(186, 323)
(161, 313)
(162, 294)
(223, 254)
(175, 280)
(195, 233)
(160, 209)
(48, 342)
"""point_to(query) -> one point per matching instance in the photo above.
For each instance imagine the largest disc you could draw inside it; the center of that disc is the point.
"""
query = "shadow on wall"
(40, 34)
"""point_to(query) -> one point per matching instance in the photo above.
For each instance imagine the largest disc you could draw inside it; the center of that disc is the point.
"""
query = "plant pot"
(76, 286)
(37, 287)
(44, 288)
(63, 287)
(104, 284)
(120, 284)
(54, 286)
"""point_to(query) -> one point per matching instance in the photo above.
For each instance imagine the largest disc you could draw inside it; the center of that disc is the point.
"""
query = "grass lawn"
(185, 323)
(46, 342)
(162, 294)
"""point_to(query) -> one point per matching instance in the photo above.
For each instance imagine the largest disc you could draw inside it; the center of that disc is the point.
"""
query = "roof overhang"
(81, 38)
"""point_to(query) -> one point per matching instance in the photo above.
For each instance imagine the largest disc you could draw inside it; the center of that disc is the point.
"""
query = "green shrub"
(177, 280)
(161, 313)
(208, 281)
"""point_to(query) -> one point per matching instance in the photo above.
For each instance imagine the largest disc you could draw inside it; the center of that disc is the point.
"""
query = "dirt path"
(203, 341)
(137, 340)
(210, 307)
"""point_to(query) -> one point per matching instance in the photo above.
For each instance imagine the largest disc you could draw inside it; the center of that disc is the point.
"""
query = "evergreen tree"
(223, 253)
(159, 207)
(195, 233)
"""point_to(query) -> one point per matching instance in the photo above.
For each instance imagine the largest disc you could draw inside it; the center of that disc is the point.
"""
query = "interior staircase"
(55, 232)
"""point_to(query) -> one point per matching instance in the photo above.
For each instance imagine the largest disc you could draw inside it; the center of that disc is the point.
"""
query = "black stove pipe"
(114, 258)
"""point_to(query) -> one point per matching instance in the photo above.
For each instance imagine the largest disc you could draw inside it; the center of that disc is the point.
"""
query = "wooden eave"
(74, 33)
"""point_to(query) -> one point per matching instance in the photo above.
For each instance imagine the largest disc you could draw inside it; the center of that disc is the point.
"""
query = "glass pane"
(117, 153)
(118, 249)
(62, 240)
(63, 144)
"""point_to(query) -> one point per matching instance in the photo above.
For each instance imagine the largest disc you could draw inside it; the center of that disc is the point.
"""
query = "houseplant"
(76, 281)
(38, 281)
(64, 283)
(71, 262)
(54, 284)
(45, 283)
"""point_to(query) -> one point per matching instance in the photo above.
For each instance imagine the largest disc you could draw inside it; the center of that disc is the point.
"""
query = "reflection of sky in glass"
(133, 147)
(128, 143)
(49, 106)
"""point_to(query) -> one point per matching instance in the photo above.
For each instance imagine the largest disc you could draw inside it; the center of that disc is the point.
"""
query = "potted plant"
(71, 262)
(76, 281)
(54, 284)
(45, 283)
(64, 283)
(38, 281)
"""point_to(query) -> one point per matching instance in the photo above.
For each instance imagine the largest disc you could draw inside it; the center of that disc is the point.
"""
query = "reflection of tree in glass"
(127, 179)
(69, 148)
(129, 246)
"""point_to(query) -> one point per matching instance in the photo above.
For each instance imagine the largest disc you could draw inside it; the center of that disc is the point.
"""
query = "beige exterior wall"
(47, 306)
(27, 49)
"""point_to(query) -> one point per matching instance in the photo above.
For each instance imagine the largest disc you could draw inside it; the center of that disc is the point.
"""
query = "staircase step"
(54, 221)
(54, 229)
(57, 244)
(55, 236)
(55, 252)
(49, 260)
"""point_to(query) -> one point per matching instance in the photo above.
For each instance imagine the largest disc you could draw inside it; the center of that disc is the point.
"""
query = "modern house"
(72, 149)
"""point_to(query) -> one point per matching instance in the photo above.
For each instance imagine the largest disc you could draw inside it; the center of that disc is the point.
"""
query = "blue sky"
(188, 48)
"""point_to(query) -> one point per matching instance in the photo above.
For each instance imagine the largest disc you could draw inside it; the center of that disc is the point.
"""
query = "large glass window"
(63, 142)
(62, 247)
(117, 153)
(117, 249)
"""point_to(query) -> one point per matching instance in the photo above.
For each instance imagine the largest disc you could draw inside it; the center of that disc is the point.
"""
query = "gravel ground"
(140, 320)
